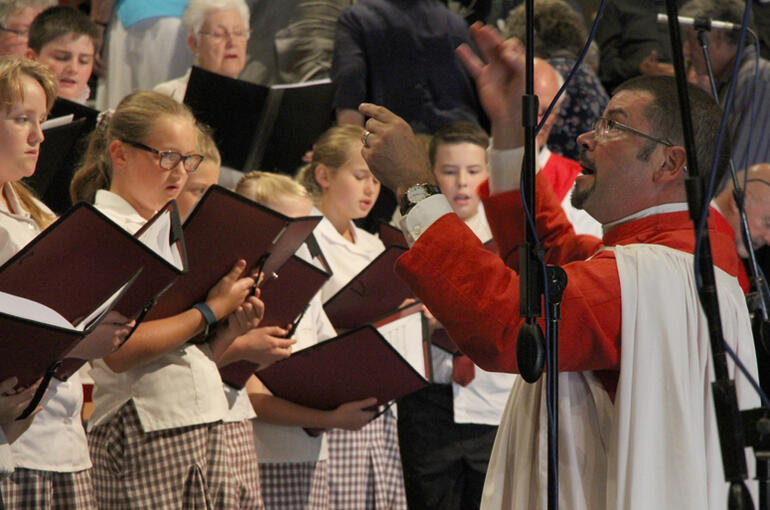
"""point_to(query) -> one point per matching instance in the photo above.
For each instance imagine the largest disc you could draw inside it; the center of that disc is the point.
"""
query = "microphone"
(703, 23)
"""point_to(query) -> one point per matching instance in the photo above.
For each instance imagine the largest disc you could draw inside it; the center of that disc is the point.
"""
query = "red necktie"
(463, 370)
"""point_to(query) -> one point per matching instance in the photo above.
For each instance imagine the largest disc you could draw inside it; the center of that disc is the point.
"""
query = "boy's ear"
(30, 54)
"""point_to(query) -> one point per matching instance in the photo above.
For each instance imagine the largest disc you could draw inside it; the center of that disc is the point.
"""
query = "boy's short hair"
(457, 132)
(58, 21)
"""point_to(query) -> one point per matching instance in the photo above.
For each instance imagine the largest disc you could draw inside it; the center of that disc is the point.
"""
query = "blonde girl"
(365, 465)
(155, 434)
(52, 466)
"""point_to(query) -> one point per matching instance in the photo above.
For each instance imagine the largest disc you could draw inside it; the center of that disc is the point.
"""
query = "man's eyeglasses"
(603, 126)
(170, 159)
(14, 31)
(220, 35)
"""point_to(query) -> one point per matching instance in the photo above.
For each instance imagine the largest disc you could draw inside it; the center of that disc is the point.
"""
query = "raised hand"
(499, 74)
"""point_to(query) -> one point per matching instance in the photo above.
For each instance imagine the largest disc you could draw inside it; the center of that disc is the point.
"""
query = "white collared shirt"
(345, 258)
(58, 424)
(179, 389)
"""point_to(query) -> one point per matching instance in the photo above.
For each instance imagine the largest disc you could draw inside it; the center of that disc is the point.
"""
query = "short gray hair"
(8, 7)
(195, 14)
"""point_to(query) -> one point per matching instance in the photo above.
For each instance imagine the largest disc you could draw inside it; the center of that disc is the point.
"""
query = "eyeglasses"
(14, 31)
(220, 35)
(170, 159)
(603, 126)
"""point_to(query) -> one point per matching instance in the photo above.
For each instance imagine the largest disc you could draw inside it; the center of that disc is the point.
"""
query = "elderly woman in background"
(217, 32)
(559, 38)
(15, 18)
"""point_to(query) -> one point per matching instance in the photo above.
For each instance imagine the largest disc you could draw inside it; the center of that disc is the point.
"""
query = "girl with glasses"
(155, 435)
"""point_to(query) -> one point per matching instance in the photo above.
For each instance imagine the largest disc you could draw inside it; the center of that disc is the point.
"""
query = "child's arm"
(272, 409)
(104, 339)
(153, 339)
(263, 346)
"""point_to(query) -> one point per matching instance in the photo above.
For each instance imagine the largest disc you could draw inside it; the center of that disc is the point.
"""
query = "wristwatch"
(415, 194)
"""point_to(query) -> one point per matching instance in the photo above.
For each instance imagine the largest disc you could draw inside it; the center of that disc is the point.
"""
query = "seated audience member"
(217, 32)
(15, 18)
(64, 39)
(560, 35)
(632, 42)
(560, 171)
(749, 141)
(143, 45)
(445, 464)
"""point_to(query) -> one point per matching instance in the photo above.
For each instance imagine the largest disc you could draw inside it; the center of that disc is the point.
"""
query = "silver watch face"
(416, 193)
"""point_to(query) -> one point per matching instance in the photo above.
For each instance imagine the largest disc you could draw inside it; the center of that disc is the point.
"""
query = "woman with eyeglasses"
(155, 434)
(15, 18)
(217, 32)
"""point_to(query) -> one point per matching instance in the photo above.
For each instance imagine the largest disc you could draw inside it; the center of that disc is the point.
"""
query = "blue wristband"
(208, 316)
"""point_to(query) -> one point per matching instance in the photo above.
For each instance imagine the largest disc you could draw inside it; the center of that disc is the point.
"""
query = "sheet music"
(156, 237)
(32, 310)
(57, 121)
(405, 335)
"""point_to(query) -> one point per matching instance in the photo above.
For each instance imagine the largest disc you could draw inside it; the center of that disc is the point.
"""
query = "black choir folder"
(223, 228)
(286, 298)
(353, 366)
(64, 144)
(374, 293)
(79, 261)
(258, 127)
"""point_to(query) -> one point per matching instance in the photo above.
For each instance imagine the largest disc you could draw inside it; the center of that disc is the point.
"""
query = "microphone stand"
(530, 343)
(756, 422)
(730, 422)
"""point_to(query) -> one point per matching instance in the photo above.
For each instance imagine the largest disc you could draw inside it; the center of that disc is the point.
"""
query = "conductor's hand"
(105, 338)
(229, 292)
(391, 150)
(498, 70)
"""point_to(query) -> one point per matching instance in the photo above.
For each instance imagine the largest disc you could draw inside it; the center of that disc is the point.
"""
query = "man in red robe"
(637, 425)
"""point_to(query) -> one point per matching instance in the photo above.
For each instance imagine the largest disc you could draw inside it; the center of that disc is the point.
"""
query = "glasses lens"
(169, 160)
(192, 162)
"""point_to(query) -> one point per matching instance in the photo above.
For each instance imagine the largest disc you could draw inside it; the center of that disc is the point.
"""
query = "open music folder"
(286, 298)
(356, 365)
(374, 293)
(83, 256)
(223, 228)
(258, 127)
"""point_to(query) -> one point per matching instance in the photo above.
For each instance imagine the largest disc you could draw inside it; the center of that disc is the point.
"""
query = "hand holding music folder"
(225, 227)
(374, 293)
(286, 298)
(353, 366)
(101, 255)
(37, 337)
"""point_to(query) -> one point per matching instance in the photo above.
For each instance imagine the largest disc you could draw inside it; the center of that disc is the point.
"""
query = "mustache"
(584, 160)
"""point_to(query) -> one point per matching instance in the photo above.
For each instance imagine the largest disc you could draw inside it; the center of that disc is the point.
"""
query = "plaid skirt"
(181, 468)
(365, 467)
(242, 454)
(29, 489)
(295, 485)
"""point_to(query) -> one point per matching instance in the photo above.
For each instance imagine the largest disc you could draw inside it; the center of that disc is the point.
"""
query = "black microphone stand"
(530, 343)
(730, 422)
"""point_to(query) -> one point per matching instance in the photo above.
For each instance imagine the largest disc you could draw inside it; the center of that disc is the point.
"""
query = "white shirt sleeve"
(422, 216)
(505, 169)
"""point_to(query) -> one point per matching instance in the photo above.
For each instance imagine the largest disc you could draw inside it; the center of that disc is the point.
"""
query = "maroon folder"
(286, 298)
(391, 236)
(374, 293)
(353, 366)
(80, 260)
(223, 228)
